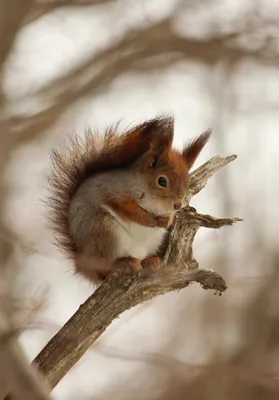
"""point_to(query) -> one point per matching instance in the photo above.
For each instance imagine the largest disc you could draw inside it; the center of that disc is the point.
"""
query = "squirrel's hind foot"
(127, 265)
(152, 263)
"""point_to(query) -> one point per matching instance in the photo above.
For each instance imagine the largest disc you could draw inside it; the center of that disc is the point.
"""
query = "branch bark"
(118, 294)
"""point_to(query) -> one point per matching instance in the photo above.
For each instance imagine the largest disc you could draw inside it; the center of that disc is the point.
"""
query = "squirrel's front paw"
(164, 221)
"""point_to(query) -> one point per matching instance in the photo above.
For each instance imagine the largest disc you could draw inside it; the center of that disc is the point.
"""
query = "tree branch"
(23, 381)
(155, 45)
(43, 9)
(118, 294)
(12, 13)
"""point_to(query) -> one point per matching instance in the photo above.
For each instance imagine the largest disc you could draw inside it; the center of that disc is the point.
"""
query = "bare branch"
(12, 13)
(42, 9)
(22, 380)
(118, 294)
(201, 175)
(129, 55)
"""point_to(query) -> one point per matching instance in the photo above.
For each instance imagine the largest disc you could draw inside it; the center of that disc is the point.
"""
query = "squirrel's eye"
(162, 181)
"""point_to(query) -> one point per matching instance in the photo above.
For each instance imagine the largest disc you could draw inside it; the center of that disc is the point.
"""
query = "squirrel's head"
(165, 171)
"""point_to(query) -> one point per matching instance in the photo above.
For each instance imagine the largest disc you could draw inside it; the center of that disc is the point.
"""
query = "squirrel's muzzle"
(177, 206)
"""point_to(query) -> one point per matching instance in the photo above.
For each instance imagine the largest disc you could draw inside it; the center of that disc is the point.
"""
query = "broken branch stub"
(120, 293)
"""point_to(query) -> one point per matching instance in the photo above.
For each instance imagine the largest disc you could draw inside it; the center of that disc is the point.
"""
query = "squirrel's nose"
(177, 206)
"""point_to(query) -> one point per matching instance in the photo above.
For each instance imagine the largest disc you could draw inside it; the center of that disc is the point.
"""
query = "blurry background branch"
(12, 13)
(21, 378)
(41, 9)
(157, 46)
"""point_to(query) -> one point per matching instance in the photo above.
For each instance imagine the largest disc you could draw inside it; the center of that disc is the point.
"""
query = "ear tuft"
(160, 131)
(161, 142)
(193, 149)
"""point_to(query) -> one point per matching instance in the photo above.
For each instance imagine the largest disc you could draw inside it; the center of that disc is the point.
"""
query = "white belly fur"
(136, 240)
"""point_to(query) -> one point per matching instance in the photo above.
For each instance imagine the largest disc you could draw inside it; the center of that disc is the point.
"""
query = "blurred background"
(69, 65)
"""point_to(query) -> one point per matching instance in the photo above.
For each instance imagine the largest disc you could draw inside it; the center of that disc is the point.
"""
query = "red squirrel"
(111, 206)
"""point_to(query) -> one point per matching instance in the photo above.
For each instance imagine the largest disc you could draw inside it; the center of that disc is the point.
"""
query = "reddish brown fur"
(193, 149)
(83, 159)
(179, 167)
(171, 165)
(152, 262)
(131, 211)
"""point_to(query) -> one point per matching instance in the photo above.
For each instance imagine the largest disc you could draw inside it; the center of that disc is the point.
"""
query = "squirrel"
(110, 206)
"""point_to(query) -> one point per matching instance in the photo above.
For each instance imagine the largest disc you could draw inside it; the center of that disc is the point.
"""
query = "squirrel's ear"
(192, 150)
(161, 132)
